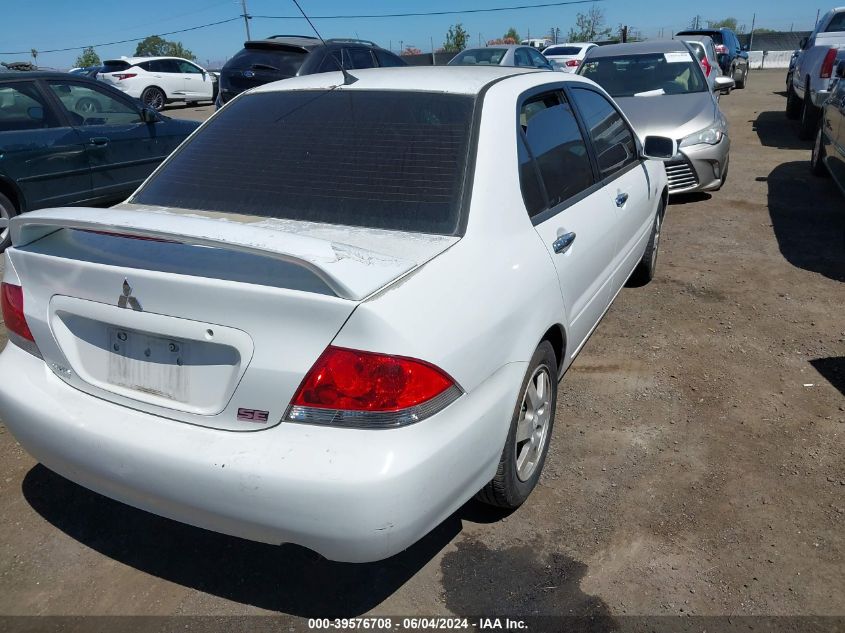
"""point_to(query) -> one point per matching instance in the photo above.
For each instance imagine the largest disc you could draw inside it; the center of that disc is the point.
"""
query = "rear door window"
(90, 105)
(612, 139)
(521, 57)
(557, 147)
(381, 159)
(361, 58)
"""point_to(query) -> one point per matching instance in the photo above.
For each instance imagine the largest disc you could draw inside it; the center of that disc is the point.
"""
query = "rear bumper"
(350, 495)
(701, 168)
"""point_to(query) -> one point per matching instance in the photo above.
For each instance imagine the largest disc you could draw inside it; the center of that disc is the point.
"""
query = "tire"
(809, 117)
(741, 83)
(793, 103)
(7, 212)
(817, 166)
(153, 97)
(522, 461)
(644, 272)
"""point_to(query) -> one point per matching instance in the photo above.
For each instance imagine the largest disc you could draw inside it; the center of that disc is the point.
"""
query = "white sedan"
(337, 312)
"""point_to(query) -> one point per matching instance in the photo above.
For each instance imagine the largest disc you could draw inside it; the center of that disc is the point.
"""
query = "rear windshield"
(698, 49)
(285, 61)
(379, 159)
(650, 75)
(837, 24)
(562, 50)
(716, 36)
(115, 65)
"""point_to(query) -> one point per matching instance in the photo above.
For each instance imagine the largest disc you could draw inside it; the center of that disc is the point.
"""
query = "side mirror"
(840, 70)
(723, 83)
(660, 148)
(148, 115)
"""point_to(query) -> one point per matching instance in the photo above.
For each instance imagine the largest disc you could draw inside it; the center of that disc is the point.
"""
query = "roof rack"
(352, 39)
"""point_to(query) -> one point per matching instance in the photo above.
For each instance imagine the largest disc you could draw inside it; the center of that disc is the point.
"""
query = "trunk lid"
(211, 321)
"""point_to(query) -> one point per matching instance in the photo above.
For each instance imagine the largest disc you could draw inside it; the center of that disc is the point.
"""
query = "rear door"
(122, 150)
(572, 215)
(624, 178)
(39, 150)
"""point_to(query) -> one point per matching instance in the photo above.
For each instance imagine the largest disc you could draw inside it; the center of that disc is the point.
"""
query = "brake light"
(827, 65)
(122, 76)
(571, 62)
(721, 49)
(13, 311)
(705, 65)
(348, 387)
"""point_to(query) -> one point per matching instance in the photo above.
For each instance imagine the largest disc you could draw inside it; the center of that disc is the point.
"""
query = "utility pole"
(751, 35)
(247, 18)
(625, 34)
(433, 58)
(818, 11)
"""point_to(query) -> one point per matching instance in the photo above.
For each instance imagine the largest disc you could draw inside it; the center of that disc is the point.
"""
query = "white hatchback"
(337, 312)
(157, 81)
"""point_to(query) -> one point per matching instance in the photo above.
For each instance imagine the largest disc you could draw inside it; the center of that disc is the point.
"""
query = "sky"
(53, 24)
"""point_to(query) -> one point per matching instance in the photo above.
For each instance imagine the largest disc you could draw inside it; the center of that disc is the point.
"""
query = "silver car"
(502, 55)
(705, 51)
(663, 91)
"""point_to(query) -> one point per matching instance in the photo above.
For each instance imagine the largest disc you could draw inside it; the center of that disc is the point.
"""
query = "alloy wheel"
(533, 425)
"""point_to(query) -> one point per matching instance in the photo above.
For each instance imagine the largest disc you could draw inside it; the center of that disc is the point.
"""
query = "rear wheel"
(793, 103)
(743, 79)
(527, 443)
(7, 212)
(644, 272)
(809, 117)
(153, 97)
(817, 166)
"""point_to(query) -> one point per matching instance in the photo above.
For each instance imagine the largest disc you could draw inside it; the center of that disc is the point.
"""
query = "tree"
(456, 39)
(155, 46)
(727, 23)
(88, 58)
(511, 35)
(589, 26)
(501, 40)
(411, 50)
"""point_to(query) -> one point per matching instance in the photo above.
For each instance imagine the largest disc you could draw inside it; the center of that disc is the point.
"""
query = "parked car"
(705, 51)
(157, 81)
(812, 74)
(662, 89)
(792, 59)
(829, 149)
(88, 71)
(566, 57)
(67, 140)
(540, 43)
(348, 358)
(733, 57)
(284, 56)
(502, 55)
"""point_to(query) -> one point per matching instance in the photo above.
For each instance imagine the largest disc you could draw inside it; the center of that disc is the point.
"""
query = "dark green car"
(68, 140)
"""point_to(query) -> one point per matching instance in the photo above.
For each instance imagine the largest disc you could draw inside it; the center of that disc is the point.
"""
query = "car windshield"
(649, 75)
(562, 50)
(286, 61)
(480, 56)
(380, 159)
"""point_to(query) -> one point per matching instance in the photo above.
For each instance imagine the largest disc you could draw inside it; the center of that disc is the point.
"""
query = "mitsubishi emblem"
(126, 299)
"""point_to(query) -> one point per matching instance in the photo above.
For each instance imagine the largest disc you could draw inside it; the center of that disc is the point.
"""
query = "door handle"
(99, 141)
(621, 199)
(562, 244)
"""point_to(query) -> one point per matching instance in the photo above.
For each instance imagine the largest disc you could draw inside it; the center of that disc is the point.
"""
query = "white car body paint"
(275, 294)
(197, 85)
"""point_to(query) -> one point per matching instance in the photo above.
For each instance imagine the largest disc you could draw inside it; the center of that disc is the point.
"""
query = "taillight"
(705, 65)
(352, 388)
(17, 328)
(827, 65)
(122, 76)
(721, 49)
(571, 62)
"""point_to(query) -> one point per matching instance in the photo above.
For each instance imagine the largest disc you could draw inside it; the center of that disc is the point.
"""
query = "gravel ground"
(696, 464)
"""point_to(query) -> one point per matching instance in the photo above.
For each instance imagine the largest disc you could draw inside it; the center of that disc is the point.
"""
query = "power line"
(425, 13)
(134, 39)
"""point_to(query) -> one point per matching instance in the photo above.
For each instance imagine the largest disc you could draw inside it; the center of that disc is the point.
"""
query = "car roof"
(638, 48)
(467, 80)
(138, 60)
(505, 46)
(45, 74)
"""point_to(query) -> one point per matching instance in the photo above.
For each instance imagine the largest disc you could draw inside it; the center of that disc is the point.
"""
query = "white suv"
(159, 80)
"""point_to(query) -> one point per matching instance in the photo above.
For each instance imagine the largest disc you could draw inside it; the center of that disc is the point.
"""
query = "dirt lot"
(696, 465)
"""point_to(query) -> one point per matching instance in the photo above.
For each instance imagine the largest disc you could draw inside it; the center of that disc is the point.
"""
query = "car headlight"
(711, 135)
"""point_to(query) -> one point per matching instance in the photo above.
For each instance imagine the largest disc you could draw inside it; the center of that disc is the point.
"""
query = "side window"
(387, 60)
(521, 57)
(529, 180)
(187, 67)
(165, 66)
(555, 143)
(612, 139)
(361, 58)
(90, 105)
(538, 60)
(145, 66)
(23, 107)
(332, 61)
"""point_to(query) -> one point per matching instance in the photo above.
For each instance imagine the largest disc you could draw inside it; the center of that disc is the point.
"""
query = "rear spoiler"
(350, 272)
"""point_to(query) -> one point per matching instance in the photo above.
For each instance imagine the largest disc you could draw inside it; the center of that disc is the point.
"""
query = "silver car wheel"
(656, 244)
(532, 428)
(7, 215)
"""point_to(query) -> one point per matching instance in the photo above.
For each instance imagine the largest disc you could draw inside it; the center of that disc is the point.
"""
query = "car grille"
(681, 175)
